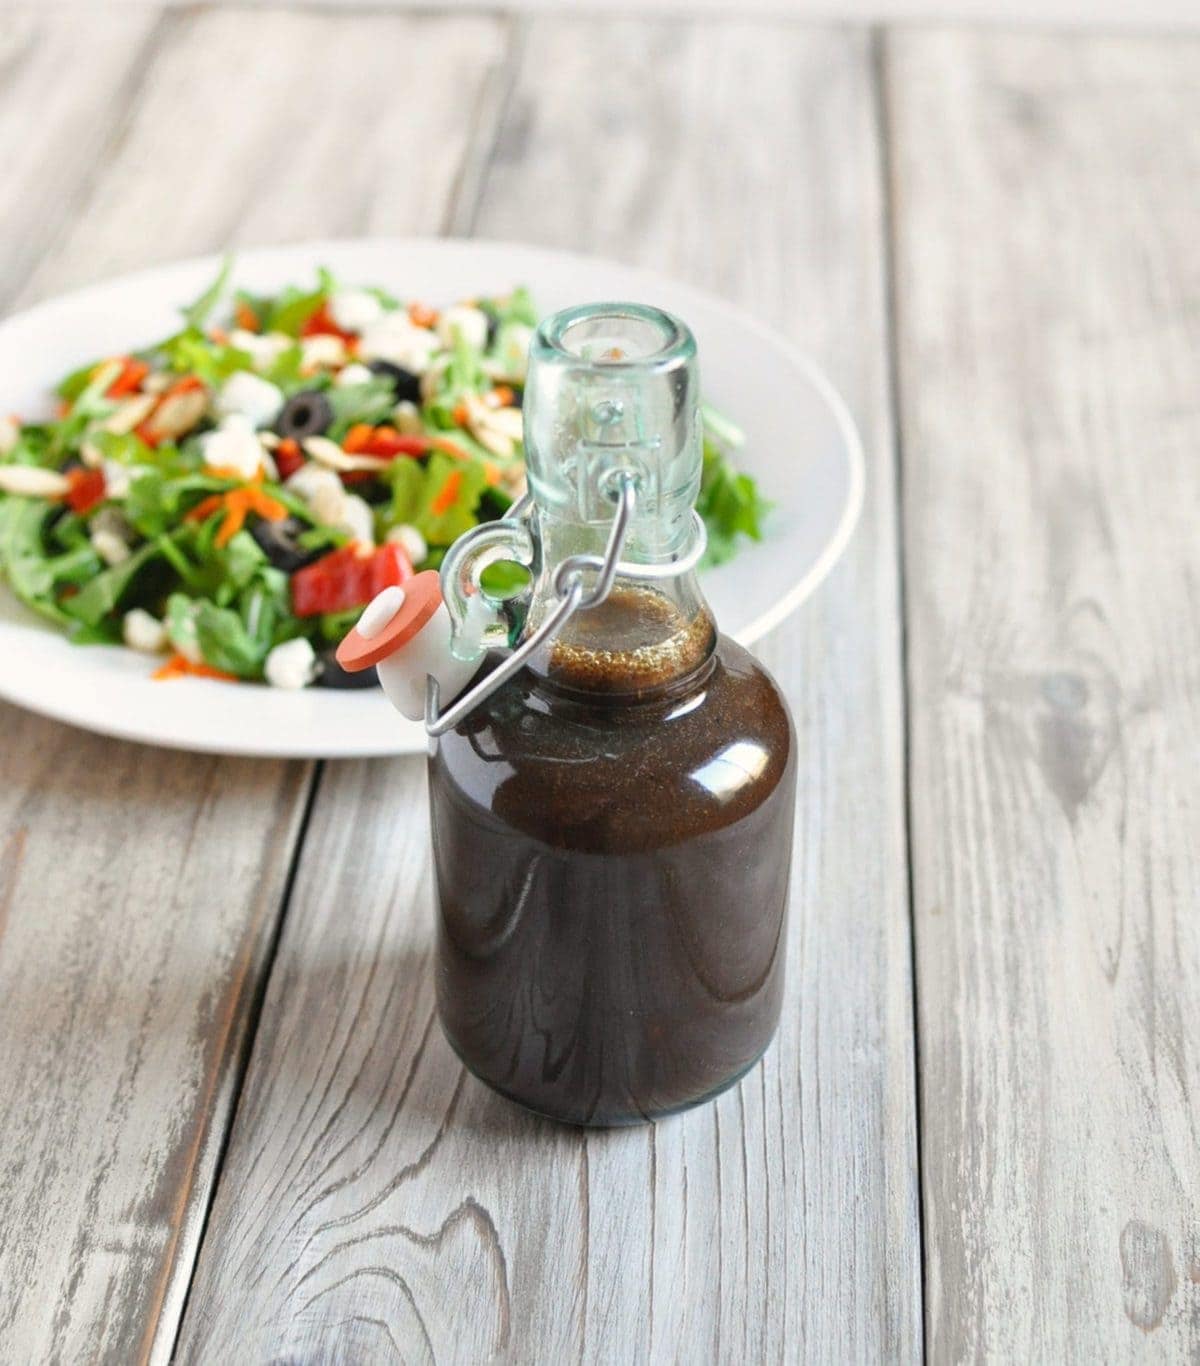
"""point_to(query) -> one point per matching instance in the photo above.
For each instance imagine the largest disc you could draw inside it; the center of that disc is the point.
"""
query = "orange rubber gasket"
(422, 598)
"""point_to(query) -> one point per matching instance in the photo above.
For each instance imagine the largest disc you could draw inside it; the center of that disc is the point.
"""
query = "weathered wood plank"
(350, 125)
(376, 1202)
(1048, 269)
(51, 140)
(139, 890)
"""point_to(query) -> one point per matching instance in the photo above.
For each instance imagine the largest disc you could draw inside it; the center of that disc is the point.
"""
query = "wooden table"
(229, 1125)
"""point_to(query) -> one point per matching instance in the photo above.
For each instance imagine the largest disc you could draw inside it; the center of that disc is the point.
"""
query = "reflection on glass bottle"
(613, 827)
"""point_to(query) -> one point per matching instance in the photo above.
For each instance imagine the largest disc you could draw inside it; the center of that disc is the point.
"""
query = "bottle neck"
(647, 637)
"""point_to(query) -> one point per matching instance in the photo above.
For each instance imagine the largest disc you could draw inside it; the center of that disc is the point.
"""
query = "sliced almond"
(512, 479)
(323, 351)
(178, 414)
(506, 420)
(269, 440)
(500, 371)
(496, 442)
(331, 455)
(104, 374)
(91, 454)
(130, 413)
(157, 382)
(270, 468)
(31, 482)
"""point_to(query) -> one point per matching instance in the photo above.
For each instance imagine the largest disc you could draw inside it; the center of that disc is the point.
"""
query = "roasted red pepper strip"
(129, 381)
(347, 578)
(86, 490)
(321, 324)
(288, 457)
(386, 443)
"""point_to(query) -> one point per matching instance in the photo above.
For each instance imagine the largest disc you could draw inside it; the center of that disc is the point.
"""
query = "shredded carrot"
(460, 414)
(238, 504)
(219, 335)
(205, 508)
(64, 408)
(504, 395)
(358, 438)
(245, 317)
(444, 499)
(440, 443)
(491, 472)
(235, 519)
(421, 315)
(266, 506)
(129, 380)
(179, 666)
(228, 472)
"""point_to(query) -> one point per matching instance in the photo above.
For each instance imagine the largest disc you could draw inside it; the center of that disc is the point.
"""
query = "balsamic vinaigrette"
(613, 827)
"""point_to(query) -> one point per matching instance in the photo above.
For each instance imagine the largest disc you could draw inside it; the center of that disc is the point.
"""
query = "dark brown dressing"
(612, 845)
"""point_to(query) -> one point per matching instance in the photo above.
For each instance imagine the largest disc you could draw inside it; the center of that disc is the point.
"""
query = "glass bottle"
(612, 827)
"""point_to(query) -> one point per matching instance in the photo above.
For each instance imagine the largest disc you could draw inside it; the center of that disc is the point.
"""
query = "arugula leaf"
(225, 642)
(156, 499)
(518, 307)
(389, 301)
(462, 376)
(333, 627)
(76, 382)
(369, 402)
(192, 353)
(235, 635)
(730, 504)
(34, 446)
(127, 448)
(110, 588)
(32, 573)
(291, 308)
(285, 371)
(440, 500)
(197, 313)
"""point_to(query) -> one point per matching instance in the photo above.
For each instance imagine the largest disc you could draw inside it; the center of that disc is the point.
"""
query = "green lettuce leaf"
(197, 313)
(730, 504)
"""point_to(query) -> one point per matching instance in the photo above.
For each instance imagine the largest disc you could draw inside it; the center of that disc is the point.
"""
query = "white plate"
(801, 446)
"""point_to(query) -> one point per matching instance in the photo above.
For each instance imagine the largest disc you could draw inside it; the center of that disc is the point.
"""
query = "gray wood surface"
(140, 890)
(377, 1202)
(1020, 215)
(1048, 297)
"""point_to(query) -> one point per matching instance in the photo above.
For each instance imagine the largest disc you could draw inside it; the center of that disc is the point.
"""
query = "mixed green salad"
(231, 496)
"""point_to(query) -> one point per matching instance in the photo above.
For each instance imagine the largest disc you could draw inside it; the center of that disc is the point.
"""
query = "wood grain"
(52, 141)
(377, 1203)
(1048, 294)
(139, 890)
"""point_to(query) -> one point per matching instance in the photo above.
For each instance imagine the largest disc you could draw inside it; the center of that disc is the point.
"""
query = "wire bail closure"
(568, 584)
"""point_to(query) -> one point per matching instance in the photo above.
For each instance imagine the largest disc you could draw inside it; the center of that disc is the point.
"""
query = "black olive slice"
(307, 413)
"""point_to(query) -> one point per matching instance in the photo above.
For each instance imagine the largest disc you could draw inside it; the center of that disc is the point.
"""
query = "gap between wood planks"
(458, 220)
(891, 304)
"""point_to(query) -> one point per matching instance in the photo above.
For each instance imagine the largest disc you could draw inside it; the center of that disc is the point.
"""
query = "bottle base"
(619, 1120)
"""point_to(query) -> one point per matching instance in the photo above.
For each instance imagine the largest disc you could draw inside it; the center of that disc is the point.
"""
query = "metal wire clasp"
(568, 583)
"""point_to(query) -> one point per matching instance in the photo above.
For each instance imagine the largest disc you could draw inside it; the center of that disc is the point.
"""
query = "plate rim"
(748, 636)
